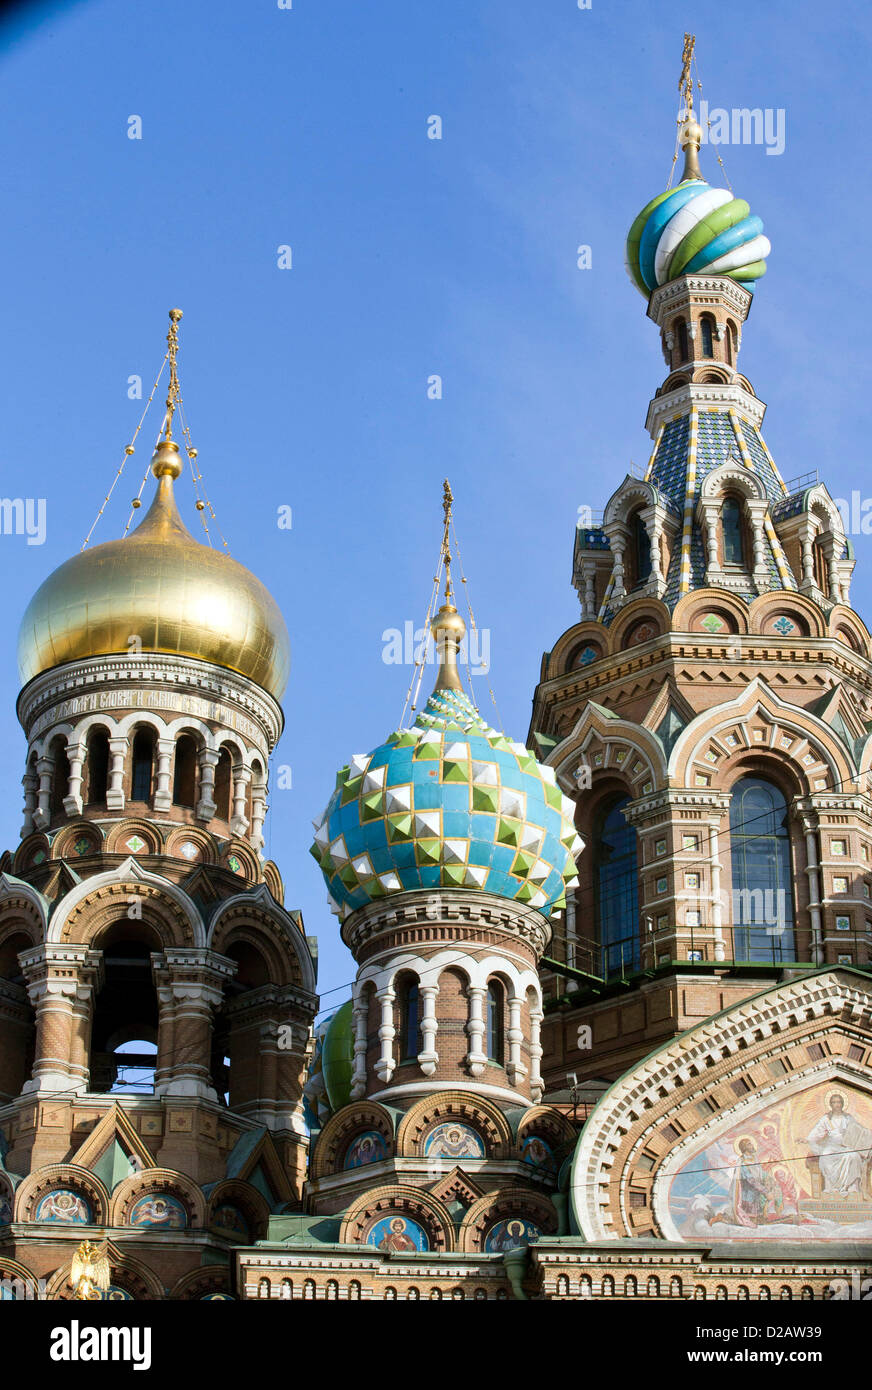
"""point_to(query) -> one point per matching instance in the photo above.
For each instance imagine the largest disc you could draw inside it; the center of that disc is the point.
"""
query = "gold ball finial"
(175, 315)
(166, 461)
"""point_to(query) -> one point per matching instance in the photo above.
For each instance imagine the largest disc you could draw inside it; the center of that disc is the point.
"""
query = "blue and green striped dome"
(447, 803)
(695, 229)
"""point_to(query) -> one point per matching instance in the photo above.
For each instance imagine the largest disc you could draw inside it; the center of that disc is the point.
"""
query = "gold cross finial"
(173, 389)
(447, 503)
(685, 81)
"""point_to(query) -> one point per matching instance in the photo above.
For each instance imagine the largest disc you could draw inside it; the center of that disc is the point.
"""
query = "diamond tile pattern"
(449, 802)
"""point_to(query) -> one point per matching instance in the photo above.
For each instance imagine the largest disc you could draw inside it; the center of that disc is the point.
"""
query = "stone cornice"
(703, 289)
(445, 907)
(100, 683)
(703, 395)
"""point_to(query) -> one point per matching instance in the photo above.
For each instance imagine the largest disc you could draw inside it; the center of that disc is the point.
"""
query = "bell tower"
(156, 994)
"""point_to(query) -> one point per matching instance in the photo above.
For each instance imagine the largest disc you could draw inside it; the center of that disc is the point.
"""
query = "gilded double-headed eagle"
(91, 1273)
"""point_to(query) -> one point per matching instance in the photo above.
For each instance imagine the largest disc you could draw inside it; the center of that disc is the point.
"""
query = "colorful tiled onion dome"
(451, 803)
(695, 229)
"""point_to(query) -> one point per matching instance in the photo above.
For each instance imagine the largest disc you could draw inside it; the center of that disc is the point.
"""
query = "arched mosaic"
(158, 1210)
(367, 1147)
(454, 1141)
(65, 1207)
(510, 1234)
(397, 1233)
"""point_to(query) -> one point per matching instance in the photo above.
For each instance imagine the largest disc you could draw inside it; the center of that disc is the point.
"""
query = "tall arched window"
(706, 326)
(495, 1022)
(617, 892)
(185, 773)
(97, 766)
(140, 782)
(223, 778)
(731, 529)
(410, 1020)
(731, 343)
(60, 780)
(762, 875)
(683, 349)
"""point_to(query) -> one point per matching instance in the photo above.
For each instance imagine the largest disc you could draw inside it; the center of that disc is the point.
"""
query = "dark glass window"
(705, 324)
(140, 786)
(821, 575)
(762, 876)
(494, 1022)
(731, 526)
(683, 350)
(410, 1021)
(617, 894)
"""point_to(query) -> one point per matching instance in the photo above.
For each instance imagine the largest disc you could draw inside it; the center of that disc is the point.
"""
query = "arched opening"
(732, 338)
(235, 1053)
(409, 1031)
(10, 968)
(732, 532)
(60, 777)
(495, 1022)
(125, 1025)
(141, 765)
(680, 328)
(637, 558)
(185, 772)
(17, 1023)
(97, 767)
(223, 780)
(707, 335)
(762, 874)
(616, 889)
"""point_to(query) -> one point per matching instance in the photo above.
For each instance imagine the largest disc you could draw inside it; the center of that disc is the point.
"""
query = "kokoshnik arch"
(609, 1034)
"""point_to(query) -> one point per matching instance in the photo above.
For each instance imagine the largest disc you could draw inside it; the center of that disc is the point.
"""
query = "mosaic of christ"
(799, 1170)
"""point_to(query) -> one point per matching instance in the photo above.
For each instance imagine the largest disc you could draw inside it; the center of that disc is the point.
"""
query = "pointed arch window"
(732, 532)
(762, 873)
(617, 892)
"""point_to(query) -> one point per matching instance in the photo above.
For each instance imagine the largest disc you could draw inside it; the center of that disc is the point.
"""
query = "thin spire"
(448, 626)
(690, 131)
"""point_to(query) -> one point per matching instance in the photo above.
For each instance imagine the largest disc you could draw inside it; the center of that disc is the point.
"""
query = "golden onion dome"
(161, 586)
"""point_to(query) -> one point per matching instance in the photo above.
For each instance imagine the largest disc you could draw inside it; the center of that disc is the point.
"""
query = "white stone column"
(30, 783)
(241, 779)
(163, 797)
(833, 571)
(807, 560)
(536, 1016)
(208, 760)
(385, 1065)
(710, 514)
(42, 814)
(428, 1056)
(717, 904)
(814, 895)
(515, 1036)
(476, 1058)
(589, 591)
(118, 754)
(73, 798)
(359, 1016)
(258, 816)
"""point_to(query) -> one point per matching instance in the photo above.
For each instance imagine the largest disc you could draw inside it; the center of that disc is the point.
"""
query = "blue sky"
(308, 387)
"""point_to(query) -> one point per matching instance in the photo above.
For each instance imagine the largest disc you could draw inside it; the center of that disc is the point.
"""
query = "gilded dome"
(163, 587)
